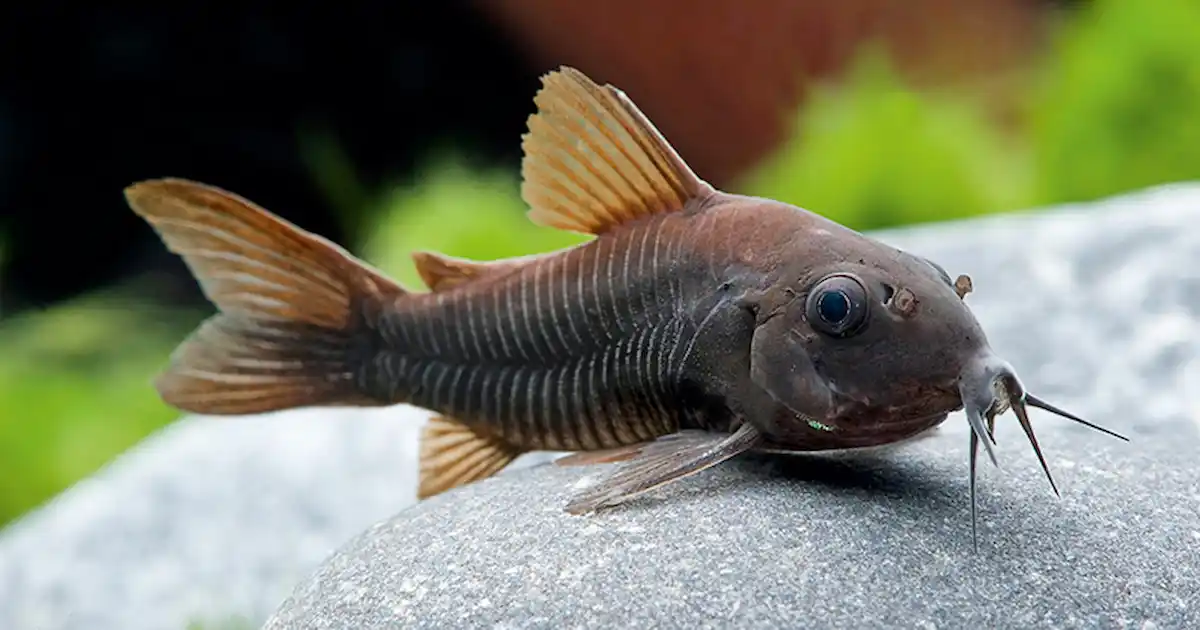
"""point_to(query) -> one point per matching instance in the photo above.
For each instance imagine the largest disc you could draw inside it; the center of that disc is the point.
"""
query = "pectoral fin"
(453, 455)
(663, 461)
(606, 456)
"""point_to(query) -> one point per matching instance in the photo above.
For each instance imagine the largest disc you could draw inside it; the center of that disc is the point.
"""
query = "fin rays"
(664, 461)
(593, 161)
(454, 455)
(286, 334)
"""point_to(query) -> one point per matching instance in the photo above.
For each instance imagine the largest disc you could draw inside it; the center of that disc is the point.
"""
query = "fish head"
(888, 336)
(879, 344)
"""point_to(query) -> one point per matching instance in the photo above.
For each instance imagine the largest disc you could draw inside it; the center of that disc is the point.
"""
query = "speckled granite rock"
(1096, 307)
(869, 540)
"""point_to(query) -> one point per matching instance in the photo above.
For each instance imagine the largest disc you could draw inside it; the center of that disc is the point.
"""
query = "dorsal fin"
(593, 161)
(453, 455)
(440, 272)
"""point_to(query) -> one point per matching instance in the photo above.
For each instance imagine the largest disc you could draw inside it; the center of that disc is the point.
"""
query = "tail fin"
(290, 328)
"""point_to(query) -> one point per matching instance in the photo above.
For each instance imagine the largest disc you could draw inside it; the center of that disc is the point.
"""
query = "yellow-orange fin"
(593, 161)
(290, 302)
(453, 455)
(440, 272)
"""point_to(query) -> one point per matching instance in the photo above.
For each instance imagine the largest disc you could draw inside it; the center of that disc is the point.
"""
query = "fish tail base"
(234, 366)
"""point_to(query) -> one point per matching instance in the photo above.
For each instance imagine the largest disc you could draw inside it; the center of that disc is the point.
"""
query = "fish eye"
(837, 306)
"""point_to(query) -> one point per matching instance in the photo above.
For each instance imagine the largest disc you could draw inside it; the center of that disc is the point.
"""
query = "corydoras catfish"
(694, 326)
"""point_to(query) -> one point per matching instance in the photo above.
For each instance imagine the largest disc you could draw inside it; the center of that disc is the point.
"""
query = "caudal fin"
(290, 331)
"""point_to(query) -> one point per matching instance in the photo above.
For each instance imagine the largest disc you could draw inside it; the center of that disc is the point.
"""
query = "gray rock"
(1096, 307)
(212, 520)
(863, 540)
(215, 519)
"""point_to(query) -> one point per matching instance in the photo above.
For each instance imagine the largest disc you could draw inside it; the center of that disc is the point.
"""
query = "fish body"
(637, 334)
(696, 325)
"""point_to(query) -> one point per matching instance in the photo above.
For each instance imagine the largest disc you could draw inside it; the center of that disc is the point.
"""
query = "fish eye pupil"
(838, 306)
(833, 306)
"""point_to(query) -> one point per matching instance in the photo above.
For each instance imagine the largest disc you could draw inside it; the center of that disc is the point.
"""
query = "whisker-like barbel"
(1034, 401)
(1008, 392)
(1018, 408)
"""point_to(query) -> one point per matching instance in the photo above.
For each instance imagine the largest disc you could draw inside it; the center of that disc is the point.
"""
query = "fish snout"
(988, 386)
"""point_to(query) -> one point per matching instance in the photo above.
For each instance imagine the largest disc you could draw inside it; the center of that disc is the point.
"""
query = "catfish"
(692, 326)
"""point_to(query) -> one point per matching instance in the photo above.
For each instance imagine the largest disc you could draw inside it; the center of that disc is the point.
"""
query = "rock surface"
(868, 540)
(1097, 306)
(211, 521)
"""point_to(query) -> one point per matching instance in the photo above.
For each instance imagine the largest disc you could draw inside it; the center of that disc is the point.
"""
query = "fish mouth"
(989, 386)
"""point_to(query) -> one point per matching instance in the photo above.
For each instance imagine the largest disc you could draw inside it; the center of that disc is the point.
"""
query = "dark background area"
(92, 99)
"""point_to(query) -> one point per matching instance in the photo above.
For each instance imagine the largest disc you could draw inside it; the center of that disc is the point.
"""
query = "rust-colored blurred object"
(721, 77)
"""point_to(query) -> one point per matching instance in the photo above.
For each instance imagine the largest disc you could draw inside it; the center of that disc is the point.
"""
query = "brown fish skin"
(695, 326)
(596, 347)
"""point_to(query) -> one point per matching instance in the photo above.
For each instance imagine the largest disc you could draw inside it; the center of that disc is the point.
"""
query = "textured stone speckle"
(869, 539)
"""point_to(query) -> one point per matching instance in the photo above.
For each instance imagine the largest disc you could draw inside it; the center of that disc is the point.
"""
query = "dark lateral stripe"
(475, 319)
(506, 326)
(488, 407)
(536, 336)
(578, 413)
(559, 285)
(631, 380)
(604, 399)
(592, 415)
(503, 402)
(620, 396)
(593, 275)
(546, 415)
(517, 429)
(645, 360)
(535, 410)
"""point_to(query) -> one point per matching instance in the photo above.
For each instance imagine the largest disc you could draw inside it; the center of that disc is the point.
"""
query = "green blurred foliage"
(869, 152)
(75, 390)
(457, 211)
(1118, 105)
(1112, 107)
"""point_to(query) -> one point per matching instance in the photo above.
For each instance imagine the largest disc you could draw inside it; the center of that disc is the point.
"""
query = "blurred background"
(388, 126)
